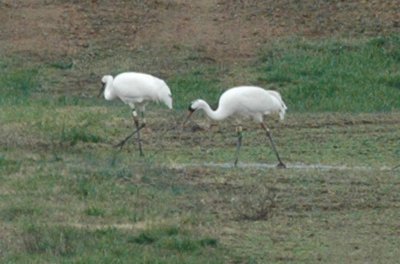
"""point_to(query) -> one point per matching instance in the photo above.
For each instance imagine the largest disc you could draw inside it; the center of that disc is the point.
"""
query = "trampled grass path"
(298, 166)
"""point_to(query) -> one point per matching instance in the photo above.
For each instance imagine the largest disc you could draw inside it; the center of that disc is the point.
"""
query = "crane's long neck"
(218, 114)
(109, 89)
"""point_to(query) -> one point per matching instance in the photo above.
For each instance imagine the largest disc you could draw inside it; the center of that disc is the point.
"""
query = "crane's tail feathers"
(282, 111)
(282, 114)
(283, 108)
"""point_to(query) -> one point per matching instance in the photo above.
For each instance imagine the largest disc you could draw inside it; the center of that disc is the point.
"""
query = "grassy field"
(68, 196)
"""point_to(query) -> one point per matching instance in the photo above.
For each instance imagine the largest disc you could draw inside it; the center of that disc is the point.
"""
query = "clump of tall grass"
(173, 238)
(70, 244)
(78, 134)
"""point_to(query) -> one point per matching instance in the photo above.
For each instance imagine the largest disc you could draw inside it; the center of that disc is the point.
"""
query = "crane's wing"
(251, 101)
(138, 87)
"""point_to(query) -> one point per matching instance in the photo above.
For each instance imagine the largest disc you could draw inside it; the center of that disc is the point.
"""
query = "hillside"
(221, 30)
(82, 40)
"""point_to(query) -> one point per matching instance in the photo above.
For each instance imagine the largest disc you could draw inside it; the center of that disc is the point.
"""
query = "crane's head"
(103, 84)
(196, 104)
(192, 107)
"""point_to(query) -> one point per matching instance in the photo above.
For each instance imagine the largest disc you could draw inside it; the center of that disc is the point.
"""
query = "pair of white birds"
(137, 89)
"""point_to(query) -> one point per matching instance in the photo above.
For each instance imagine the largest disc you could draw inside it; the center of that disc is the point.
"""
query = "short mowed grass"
(68, 196)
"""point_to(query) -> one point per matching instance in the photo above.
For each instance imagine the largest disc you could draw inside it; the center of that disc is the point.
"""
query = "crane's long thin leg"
(138, 128)
(239, 144)
(138, 133)
(122, 143)
(268, 132)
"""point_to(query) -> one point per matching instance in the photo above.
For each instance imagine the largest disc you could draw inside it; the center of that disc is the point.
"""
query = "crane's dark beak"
(189, 114)
(103, 87)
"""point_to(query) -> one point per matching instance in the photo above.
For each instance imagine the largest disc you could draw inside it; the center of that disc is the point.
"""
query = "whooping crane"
(247, 101)
(136, 89)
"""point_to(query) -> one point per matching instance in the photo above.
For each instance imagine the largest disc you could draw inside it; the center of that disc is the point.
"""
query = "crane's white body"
(248, 101)
(136, 88)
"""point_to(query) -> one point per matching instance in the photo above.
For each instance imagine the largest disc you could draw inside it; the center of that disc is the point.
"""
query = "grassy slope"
(68, 196)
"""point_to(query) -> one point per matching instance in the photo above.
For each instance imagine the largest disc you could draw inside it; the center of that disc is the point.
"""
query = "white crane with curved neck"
(247, 101)
(136, 89)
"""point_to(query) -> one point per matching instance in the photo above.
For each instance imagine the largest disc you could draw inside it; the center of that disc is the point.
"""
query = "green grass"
(193, 85)
(335, 75)
(81, 208)
(330, 75)
(49, 243)
(17, 84)
(81, 189)
(68, 196)
(78, 134)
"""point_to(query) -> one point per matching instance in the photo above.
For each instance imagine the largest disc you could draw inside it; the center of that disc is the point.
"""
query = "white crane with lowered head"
(247, 101)
(136, 89)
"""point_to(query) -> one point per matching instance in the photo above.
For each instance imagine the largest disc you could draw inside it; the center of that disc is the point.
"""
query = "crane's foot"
(281, 165)
(120, 144)
(141, 154)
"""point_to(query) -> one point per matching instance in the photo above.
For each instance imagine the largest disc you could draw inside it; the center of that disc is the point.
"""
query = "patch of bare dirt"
(223, 30)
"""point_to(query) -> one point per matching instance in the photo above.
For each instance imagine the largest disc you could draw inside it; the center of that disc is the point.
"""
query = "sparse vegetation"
(257, 203)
